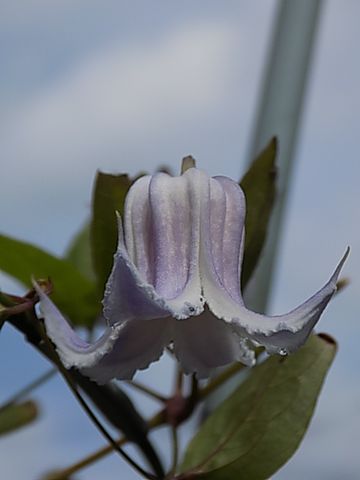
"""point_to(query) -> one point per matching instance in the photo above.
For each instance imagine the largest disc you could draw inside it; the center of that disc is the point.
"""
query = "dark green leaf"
(79, 253)
(259, 427)
(259, 188)
(108, 198)
(16, 416)
(74, 294)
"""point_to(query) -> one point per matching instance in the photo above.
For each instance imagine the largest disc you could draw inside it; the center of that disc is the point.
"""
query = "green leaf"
(108, 198)
(260, 189)
(259, 427)
(17, 416)
(73, 293)
(79, 253)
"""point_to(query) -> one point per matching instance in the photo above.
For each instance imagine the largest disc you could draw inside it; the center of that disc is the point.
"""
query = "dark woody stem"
(179, 380)
(177, 408)
(175, 452)
(91, 414)
(27, 323)
(159, 419)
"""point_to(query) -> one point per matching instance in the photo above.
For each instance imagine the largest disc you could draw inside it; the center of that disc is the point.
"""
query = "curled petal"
(204, 343)
(72, 349)
(120, 351)
(139, 343)
(278, 334)
(127, 295)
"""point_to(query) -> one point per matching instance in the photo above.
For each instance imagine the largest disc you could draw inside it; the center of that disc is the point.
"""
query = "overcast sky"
(132, 85)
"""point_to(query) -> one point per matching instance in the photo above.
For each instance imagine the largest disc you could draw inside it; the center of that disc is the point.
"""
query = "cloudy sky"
(132, 85)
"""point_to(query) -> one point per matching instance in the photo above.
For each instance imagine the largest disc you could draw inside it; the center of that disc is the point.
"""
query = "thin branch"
(194, 394)
(179, 380)
(29, 388)
(217, 381)
(147, 390)
(92, 416)
(85, 462)
(156, 421)
(175, 452)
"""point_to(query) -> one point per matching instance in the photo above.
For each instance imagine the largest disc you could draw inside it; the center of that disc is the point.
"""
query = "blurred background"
(129, 85)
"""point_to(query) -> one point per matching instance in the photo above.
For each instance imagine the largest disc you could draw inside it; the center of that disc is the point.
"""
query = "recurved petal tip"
(119, 352)
(338, 269)
(293, 329)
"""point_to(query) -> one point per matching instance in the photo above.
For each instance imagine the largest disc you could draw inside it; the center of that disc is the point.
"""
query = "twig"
(145, 389)
(175, 452)
(29, 388)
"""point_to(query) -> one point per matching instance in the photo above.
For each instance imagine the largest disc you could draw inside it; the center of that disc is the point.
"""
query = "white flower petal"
(72, 349)
(162, 277)
(139, 343)
(222, 234)
(281, 333)
(138, 228)
(204, 343)
(127, 296)
(120, 351)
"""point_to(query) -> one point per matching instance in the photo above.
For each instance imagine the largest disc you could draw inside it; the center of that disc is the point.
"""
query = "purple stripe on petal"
(233, 235)
(138, 228)
(222, 234)
(173, 225)
(128, 296)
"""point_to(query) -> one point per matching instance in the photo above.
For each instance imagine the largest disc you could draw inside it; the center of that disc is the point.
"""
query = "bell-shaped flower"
(176, 280)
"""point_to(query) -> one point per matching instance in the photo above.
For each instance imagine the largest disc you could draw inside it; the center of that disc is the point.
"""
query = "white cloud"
(119, 97)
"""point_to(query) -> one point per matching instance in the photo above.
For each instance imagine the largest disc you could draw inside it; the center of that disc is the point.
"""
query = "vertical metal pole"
(279, 114)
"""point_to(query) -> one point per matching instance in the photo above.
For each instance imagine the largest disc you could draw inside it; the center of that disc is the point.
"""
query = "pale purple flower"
(176, 279)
